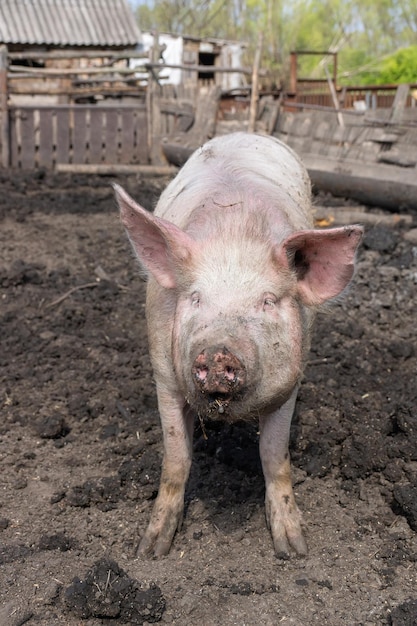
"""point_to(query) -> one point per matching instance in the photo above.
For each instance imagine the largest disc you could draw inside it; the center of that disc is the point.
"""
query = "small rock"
(52, 427)
(405, 497)
(411, 236)
(242, 588)
(401, 349)
(57, 497)
(20, 483)
(381, 239)
(59, 541)
(404, 614)
(11, 615)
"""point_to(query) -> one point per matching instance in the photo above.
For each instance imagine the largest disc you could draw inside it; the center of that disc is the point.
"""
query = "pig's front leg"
(282, 514)
(177, 426)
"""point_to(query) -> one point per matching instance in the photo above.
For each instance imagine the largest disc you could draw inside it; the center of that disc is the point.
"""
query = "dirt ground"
(80, 440)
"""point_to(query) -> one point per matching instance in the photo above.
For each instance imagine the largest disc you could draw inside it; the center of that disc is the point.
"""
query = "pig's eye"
(269, 301)
(195, 299)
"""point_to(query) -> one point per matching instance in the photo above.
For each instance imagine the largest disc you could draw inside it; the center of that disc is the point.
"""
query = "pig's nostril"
(229, 373)
(201, 373)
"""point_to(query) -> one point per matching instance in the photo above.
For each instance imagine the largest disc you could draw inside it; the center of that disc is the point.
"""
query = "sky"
(136, 3)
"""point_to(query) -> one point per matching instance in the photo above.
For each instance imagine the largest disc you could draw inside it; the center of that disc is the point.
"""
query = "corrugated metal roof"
(68, 22)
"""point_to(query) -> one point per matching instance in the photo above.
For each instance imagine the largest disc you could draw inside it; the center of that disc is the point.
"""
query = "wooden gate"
(45, 136)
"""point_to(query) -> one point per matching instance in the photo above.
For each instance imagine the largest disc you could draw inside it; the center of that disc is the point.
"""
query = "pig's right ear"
(160, 246)
(323, 261)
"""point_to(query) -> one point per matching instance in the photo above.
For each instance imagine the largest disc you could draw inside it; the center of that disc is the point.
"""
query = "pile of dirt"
(106, 591)
(80, 440)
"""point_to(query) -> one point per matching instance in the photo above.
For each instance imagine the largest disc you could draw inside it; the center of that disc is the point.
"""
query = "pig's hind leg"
(282, 514)
(177, 425)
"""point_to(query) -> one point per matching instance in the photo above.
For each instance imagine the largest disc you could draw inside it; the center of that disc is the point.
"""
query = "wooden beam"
(153, 98)
(333, 93)
(204, 69)
(293, 73)
(378, 184)
(4, 112)
(253, 108)
(78, 54)
(85, 91)
(20, 72)
(399, 103)
(319, 107)
(343, 216)
(76, 71)
(118, 168)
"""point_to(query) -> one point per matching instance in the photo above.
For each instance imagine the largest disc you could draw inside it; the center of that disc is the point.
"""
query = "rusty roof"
(68, 23)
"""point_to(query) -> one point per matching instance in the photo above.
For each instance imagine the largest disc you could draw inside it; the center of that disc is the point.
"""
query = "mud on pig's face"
(240, 332)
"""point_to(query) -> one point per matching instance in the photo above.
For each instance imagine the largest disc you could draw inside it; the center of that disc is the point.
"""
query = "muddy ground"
(80, 440)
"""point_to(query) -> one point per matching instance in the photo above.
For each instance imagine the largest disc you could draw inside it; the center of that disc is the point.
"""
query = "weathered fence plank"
(79, 135)
(46, 137)
(127, 136)
(140, 140)
(14, 144)
(111, 139)
(27, 139)
(62, 135)
(4, 117)
(95, 141)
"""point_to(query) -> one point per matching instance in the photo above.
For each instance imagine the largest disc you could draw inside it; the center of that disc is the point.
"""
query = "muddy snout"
(218, 373)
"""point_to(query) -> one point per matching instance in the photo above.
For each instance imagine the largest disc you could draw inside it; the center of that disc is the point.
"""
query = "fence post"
(399, 103)
(293, 74)
(4, 111)
(254, 98)
(153, 97)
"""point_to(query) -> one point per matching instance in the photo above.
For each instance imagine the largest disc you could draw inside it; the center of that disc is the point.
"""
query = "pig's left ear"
(160, 246)
(323, 261)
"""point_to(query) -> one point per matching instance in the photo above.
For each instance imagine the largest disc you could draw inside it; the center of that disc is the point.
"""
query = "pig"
(236, 273)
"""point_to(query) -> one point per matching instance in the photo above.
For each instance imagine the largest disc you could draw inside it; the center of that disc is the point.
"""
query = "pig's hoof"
(282, 546)
(154, 547)
(284, 522)
(157, 542)
(160, 533)
(286, 534)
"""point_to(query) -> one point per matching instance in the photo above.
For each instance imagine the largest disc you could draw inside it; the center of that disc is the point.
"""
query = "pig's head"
(244, 303)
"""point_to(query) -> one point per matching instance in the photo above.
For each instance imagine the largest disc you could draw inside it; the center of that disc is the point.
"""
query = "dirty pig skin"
(236, 273)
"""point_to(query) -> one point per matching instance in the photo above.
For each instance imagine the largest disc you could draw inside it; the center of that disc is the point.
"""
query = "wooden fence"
(126, 128)
(372, 96)
(46, 136)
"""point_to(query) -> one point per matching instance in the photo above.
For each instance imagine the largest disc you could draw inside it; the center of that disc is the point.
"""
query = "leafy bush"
(400, 67)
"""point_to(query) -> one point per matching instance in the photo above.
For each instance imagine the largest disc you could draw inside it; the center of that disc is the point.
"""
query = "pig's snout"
(217, 371)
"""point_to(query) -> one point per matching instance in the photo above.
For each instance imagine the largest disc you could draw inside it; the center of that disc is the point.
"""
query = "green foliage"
(401, 67)
(362, 32)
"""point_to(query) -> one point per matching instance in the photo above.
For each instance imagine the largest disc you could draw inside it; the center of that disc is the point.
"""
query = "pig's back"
(240, 164)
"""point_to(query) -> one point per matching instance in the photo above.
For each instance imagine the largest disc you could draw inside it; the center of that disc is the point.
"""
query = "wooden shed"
(180, 52)
(67, 95)
(60, 36)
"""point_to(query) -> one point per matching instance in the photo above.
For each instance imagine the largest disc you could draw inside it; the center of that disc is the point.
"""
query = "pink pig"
(236, 275)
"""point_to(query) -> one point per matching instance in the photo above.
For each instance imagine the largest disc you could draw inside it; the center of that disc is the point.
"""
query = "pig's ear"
(323, 261)
(160, 246)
